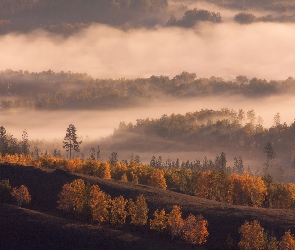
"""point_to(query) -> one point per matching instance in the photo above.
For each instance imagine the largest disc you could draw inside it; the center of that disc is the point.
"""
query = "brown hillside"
(224, 219)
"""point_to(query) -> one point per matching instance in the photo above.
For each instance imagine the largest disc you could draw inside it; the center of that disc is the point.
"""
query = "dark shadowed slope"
(224, 219)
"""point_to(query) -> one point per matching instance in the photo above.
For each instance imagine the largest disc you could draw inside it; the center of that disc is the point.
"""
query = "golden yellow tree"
(21, 195)
(158, 179)
(74, 197)
(99, 204)
(118, 211)
(138, 211)
(195, 230)
(253, 236)
(287, 242)
(175, 222)
(66, 200)
(160, 221)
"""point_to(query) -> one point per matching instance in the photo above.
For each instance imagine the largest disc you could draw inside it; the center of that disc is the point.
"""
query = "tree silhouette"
(70, 141)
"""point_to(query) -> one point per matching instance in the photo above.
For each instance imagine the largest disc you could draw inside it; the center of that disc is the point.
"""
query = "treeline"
(262, 4)
(236, 187)
(224, 130)
(105, 11)
(66, 90)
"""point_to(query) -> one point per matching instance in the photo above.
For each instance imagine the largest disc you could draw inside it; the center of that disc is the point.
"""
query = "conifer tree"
(70, 141)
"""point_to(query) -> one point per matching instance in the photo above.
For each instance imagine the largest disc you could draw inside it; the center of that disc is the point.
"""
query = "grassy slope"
(224, 219)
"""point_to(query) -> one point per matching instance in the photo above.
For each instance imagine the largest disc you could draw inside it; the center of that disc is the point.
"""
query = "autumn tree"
(21, 195)
(287, 241)
(195, 230)
(74, 197)
(160, 221)
(175, 222)
(253, 236)
(99, 204)
(157, 179)
(138, 211)
(118, 211)
(70, 141)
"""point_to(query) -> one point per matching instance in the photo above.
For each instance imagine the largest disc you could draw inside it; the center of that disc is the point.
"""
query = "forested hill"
(66, 90)
(237, 133)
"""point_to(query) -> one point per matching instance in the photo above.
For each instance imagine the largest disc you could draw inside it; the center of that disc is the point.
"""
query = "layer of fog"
(263, 50)
(95, 124)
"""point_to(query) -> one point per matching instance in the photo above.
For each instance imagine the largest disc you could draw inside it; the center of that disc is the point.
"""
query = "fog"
(263, 50)
(101, 123)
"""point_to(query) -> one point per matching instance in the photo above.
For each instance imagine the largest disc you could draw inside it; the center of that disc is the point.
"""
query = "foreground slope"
(224, 219)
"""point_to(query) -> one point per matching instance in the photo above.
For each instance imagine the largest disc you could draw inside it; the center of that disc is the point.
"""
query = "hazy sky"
(263, 50)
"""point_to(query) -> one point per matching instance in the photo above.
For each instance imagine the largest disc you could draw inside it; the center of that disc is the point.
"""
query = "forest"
(147, 124)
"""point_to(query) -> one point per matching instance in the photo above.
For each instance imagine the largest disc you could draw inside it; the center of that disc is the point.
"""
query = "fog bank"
(101, 123)
(262, 50)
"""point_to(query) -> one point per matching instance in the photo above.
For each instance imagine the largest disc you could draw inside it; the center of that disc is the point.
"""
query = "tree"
(74, 197)
(25, 143)
(118, 211)
(160, 221)
(277, 119)
(21, 195)
(253, 236)
(195, 230)
(175, 221)
(113, 158)
(70, 141)
(158, 179)
(99, 204)
(3, 141)
(245, 18)
(138, 211)
(238, 166)
(287, 242)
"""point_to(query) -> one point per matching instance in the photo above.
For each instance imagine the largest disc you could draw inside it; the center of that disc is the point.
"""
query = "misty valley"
(147, 124)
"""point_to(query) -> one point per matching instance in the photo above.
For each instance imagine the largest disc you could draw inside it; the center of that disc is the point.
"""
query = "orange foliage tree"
(195, 230)
(21, 195)
(99, 204)
(158, 179)
(175, 222)
(253, 236)
(160, 221)
(118, 211)
(287, 242)
(138, 211)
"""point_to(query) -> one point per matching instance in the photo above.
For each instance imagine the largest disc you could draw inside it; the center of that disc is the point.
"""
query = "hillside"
(44, 186)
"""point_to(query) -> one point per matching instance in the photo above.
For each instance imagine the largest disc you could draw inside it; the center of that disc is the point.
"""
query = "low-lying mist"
(101, 123)
(262, 50)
